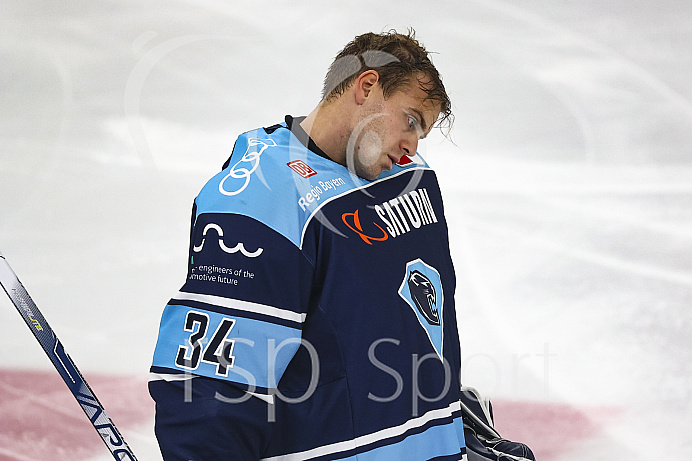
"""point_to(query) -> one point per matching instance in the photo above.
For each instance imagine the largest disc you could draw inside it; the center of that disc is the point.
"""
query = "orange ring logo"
(358, 229)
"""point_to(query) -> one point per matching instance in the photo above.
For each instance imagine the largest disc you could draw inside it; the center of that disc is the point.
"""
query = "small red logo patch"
(404, 160)
(301, 168)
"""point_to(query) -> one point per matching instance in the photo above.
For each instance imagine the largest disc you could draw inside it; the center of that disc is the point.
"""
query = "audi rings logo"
(239, 247)
(246, 166)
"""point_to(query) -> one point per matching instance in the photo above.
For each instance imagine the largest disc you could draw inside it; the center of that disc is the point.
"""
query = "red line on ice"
(41, 420)
(550, 429)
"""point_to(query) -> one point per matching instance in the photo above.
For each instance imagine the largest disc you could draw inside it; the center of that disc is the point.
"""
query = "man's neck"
(329, 131)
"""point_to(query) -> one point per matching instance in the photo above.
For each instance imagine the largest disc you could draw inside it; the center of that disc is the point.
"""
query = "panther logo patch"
(422, 290)
(423, 295)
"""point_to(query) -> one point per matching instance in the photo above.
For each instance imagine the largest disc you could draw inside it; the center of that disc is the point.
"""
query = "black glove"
(483, 442)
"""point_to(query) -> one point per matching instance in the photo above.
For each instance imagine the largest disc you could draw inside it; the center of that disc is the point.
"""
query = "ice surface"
(567, 182)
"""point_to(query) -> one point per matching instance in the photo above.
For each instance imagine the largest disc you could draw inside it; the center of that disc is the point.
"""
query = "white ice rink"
(567, 184)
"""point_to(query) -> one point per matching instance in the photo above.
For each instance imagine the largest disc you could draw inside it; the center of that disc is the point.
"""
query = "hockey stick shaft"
(63, 363)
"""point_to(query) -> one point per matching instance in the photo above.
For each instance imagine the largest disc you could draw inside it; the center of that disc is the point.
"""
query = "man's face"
(388, 128)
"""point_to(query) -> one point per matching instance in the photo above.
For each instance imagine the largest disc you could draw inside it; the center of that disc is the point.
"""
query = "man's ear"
(364, 85)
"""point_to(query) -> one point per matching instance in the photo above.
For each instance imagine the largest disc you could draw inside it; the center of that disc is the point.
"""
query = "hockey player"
(317, 320)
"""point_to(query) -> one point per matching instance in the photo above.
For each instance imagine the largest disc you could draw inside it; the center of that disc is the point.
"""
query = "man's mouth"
(393, 160)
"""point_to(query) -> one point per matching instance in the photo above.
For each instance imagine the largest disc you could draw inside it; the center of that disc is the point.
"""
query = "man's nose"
(409, 145)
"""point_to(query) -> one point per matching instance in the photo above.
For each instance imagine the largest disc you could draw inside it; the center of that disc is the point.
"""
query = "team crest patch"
(422, 290)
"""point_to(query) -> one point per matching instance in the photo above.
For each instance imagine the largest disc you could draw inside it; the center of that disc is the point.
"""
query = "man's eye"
(412, 122)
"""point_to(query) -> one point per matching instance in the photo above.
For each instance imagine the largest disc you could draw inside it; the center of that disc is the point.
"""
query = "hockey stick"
(63, 363)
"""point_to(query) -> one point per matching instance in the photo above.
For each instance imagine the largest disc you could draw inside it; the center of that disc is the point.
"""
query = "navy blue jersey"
(317, 320)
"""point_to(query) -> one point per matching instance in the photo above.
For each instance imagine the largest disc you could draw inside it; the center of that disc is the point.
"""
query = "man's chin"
(370, 173)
